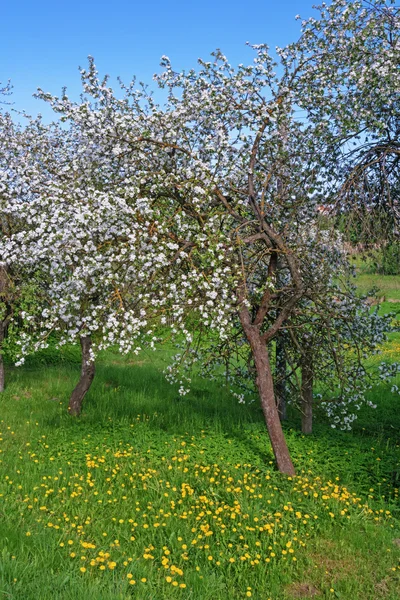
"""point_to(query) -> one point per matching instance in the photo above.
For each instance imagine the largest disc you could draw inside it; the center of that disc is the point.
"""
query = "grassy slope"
(139, 482)
(388, 285)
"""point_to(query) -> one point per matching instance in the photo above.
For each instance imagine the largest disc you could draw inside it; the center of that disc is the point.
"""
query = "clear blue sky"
(43, 42)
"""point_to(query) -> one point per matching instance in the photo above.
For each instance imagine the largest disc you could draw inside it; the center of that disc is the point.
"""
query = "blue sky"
(42, 43)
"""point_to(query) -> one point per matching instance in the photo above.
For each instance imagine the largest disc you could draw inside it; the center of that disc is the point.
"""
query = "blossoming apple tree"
(192, 208)
(20, 287)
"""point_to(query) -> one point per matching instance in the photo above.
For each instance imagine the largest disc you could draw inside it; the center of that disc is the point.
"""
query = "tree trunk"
(307, 377)
(265, 387)
(2, 374)
(85, 381)
(282, 279)
(280, 376)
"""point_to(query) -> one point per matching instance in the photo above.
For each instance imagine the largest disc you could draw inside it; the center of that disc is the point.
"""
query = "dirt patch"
(396, 542)
(303, 590)
(335, 567)
(382, 588)
(130, 362)
(372, 301)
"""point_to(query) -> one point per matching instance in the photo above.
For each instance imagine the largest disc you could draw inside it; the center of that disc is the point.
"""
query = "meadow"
(151, 496)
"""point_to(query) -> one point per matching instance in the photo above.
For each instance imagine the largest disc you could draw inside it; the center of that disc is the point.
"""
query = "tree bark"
(307, 377)
(280, 375)
(265, 386)
(85, 381)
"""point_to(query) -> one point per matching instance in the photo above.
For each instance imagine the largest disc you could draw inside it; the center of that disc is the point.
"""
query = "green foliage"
(26, 297)
(366, 227)
(390, 260)
(52, 355)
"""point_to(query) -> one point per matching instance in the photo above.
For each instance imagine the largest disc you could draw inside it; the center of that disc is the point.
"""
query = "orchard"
(215, 223)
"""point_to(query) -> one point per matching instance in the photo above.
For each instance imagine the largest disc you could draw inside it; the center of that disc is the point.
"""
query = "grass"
(151, 496)
(367, 279)
(388, 285)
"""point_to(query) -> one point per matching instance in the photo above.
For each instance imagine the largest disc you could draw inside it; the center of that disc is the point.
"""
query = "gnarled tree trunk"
(265, 387)
(280, 376)
(85, 381)
(307, 378)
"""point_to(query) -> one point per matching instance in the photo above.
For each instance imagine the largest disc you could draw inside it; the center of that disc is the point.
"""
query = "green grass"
(185, 491)
(388, 285)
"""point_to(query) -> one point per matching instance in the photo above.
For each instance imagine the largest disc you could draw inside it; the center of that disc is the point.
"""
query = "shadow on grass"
(126, 391)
